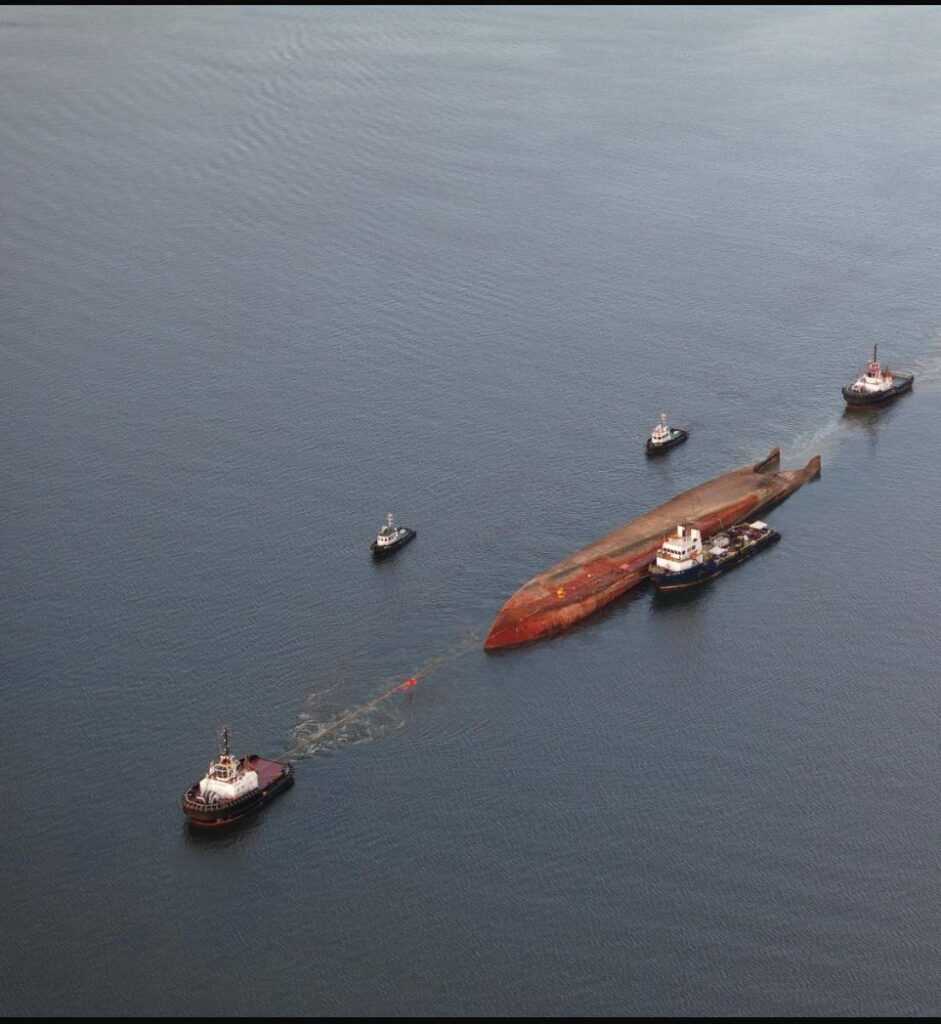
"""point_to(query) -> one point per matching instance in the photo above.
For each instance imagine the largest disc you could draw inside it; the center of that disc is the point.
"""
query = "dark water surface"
(268, 274)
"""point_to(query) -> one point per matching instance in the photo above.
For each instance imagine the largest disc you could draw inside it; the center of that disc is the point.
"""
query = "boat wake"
(822, 441)
(928, 371)
(826, 439)
(322, 726)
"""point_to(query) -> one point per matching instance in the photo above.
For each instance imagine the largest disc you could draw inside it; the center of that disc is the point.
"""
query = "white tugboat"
(878, 384)
(390, 538)
(232, 787)
(664, 437)
(682, 562)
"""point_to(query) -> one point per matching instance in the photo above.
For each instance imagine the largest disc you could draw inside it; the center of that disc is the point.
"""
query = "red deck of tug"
(267, 770)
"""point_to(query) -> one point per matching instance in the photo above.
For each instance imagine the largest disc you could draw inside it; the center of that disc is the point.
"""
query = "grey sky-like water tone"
(268, 274)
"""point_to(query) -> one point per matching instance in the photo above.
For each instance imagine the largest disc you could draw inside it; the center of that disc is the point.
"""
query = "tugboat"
(390, 538)
(231, 788)
(682, 562)
(878, 384)
(663, 437)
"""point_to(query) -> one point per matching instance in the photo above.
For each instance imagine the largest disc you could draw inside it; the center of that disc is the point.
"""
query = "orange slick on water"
(577, 586)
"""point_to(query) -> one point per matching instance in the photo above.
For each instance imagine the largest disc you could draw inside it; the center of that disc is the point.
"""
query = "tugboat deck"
(267, 770)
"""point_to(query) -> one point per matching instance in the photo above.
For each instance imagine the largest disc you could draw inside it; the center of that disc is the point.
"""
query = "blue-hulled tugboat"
(878, 384)
(232, 787)
(664, 437)
(682, 562)
(390, 538)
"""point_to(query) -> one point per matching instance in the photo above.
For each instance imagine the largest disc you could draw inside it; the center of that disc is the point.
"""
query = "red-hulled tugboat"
(663, 437)
(232, 787)
(878, 384)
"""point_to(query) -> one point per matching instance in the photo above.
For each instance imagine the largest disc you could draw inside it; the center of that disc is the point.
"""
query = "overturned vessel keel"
(586, 581)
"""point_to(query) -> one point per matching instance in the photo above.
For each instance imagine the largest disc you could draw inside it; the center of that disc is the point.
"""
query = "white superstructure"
(876, 378)
(681, 551)
(226, 778)
(661, 433)
(388, 533)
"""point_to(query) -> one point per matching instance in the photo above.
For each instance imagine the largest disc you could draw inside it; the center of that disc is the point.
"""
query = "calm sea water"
(268, 274)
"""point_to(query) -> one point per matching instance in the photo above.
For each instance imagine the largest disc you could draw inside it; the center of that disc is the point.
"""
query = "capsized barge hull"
(588, 580)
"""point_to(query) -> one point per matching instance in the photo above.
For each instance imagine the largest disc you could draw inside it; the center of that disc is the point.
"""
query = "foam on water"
(322, 726)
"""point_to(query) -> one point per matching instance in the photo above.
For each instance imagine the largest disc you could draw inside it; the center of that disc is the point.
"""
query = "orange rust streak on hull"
(572, 589)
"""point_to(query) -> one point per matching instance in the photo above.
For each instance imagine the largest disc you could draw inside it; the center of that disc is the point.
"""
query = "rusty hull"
(586, 581)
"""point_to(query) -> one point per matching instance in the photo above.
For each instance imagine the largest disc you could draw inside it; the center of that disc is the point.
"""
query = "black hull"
(657, 449)
(879, 398)
(224, 813)
(378, 552)
(699, 574)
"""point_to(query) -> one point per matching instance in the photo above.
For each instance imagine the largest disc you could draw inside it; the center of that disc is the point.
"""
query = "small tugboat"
(231, 788)
(878, 384)
(682, 562)
(663, 437)
(390, 538)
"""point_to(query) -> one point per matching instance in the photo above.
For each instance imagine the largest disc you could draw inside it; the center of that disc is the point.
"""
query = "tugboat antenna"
(225, 740)
(875, 348)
